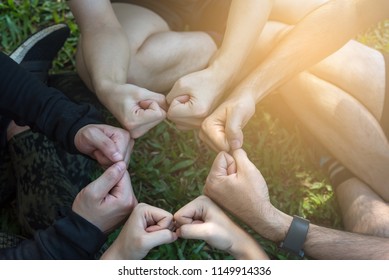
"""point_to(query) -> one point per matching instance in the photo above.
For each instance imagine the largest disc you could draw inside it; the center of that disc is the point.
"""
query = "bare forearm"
(321, 242)
(106, 62)
(316, 36)
(325, 243)
(245, 23)
(104, 44)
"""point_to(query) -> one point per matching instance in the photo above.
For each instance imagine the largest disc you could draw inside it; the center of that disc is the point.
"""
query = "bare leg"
(290, 12)
(158, 56)
(362, 209)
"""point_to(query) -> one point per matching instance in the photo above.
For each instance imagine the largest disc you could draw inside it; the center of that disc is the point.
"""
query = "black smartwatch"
(295, 238)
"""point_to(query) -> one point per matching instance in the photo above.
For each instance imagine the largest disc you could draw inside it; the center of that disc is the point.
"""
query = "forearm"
(70, 238)
(321, 242)
(316, 36)
(104, 44)
(325, 243)
(107, 63)
(245, 23)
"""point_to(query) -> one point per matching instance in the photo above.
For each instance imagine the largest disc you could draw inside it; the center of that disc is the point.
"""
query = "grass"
(169, 167)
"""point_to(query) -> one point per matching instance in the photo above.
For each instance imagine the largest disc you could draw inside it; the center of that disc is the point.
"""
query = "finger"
(214, 131)
(141, 130)
(194, 231)
(101, 142)
(242, 161)
(149, 118)
(123, 189)
(160, 237)
(102, 159)
(204, 137)
(108, 180)
(160, 99)
(223, 165)
(234, 134)
(158, 219)
(129, 150)
(179, 110)
(235, 121)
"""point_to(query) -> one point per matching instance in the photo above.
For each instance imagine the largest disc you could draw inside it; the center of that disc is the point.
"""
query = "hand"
(105, 143)
(137, 109)
(203, 219)
(222, 130)
(192, 98)
(107, 201)
(236, 184)
(146, 228)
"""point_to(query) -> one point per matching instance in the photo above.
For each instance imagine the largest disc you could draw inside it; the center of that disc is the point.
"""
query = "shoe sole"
(19, 54)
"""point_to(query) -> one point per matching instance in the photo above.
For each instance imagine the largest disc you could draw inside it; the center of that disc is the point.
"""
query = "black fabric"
(28, 101)
(70, 238)
(193, 15)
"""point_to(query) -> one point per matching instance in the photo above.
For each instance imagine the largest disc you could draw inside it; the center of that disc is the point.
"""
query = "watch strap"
(295, 237)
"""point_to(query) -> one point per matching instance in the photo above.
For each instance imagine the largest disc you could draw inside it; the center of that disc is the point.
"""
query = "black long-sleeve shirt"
(28, 101)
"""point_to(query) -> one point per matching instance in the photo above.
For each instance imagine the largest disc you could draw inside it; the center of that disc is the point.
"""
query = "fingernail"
(121, 166)
(117, 157)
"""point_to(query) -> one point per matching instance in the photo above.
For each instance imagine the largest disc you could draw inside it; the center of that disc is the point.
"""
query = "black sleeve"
(28, 101)
(70, 238)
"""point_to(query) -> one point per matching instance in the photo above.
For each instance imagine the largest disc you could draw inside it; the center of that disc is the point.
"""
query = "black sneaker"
(38, 51)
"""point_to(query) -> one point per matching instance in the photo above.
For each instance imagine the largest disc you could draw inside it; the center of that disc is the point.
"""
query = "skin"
(146, 228)
(107, 201)
(238, 186)
(203, 219)
(129, 76)
(288, 58)
(107, 144)
(195, 95)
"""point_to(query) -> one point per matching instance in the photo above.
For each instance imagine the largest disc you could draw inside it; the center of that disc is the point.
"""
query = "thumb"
(194, 231)
(242, 161)
(233, 131)
(223, 165)
(102, 185)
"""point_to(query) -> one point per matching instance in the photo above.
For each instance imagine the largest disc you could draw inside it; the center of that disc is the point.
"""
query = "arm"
(70, 238)
(310, 41)
(319, 34)
(98, 208)
(203, 219)
(107, 63)
(106, 55)
(77, 127)
(194, 96)
(237, 185)
(28, 101)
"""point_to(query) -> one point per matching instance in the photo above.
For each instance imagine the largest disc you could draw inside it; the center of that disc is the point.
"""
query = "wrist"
(272, 224)
(225, 72)
(248, 249)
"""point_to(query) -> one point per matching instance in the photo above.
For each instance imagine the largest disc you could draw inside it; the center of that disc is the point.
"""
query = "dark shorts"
(193, 15)
(385, 114)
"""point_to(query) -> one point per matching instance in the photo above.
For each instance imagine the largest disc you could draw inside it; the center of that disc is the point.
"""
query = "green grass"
(168, 167)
